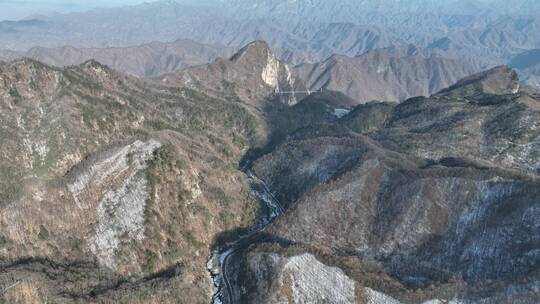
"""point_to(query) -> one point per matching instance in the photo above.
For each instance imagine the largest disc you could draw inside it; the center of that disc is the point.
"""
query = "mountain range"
(391, 74)
(272, 151)
(298, 25)
(299, 32)
(113, 188)
(145, 60)
(118, 189)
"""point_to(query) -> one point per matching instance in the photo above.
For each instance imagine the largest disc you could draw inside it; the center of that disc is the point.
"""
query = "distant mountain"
(146, 60)
(500, 80)
(528, 65)
(298, 43)
(298, 25)
(496, 40)
(392, 74)
(455, 29)
(348, 9)
(526, 59)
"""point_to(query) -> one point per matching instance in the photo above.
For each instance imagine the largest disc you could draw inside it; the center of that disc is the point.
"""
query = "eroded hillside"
(114, 189)
(434, 199)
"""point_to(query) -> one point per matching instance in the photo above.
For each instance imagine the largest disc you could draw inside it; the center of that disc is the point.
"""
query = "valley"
(271, 151)
(321, 183)
(225, 255)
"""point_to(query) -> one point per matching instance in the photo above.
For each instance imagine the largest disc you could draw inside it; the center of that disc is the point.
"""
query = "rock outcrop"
(253, 73)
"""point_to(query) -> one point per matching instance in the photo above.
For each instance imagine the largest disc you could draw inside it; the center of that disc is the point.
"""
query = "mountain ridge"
(297, 29)
(392, 74)
(412, 203)
(145, 60)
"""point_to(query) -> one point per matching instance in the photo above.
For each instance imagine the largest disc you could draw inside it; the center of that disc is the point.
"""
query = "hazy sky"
(17, 9)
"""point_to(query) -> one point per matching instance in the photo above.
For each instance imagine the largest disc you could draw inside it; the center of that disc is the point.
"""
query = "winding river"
(223, 264)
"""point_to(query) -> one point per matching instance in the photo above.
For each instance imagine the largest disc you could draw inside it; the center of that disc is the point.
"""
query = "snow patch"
(120, 213)
(515, 90)
(120, 218)
(376, 297)
(382, 69)
(341, 112)
(41, 148)
(314, 282)
(112, 166)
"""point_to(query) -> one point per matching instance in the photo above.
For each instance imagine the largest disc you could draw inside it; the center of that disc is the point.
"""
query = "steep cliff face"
(253, 73)
(436, 199)
(120, 211)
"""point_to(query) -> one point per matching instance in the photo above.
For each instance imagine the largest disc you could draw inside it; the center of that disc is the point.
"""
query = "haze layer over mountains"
(481, 34)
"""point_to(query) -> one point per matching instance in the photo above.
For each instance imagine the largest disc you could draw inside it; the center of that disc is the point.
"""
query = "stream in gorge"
(222, 264)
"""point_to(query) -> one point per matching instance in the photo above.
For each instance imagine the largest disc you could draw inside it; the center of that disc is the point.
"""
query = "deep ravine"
(222, 263)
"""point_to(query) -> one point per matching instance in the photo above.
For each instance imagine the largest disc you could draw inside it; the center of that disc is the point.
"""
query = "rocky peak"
(258, 55)
(254, 50)
(500, 80)
(92, 66)
(101, 74)
(255, 71)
